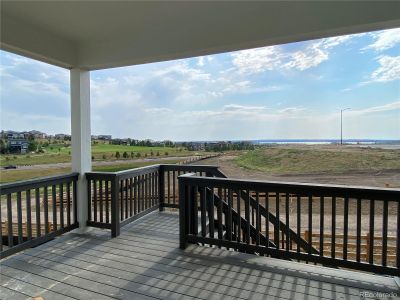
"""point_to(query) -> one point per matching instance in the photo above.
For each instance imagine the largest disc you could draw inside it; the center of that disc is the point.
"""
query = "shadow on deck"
(145, 262)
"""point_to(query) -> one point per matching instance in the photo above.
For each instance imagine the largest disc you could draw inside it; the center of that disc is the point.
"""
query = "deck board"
(145, 262)
(10, 294)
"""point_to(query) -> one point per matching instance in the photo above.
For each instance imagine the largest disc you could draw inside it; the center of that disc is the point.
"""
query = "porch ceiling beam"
(103, 34)
(194, 29)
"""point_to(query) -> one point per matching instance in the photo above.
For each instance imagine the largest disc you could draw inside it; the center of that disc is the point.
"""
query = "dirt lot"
(385, 178)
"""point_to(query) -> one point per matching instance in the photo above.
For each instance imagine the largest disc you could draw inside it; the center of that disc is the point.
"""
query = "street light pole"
(341, 124)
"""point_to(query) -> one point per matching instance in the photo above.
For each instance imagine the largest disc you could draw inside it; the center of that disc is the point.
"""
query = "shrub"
(32, 146)
(158, 153)
(104, 156)
(138, 154)
(117, 155)
(151, 153)
(166, 153)
(125, 155)
(92, 157)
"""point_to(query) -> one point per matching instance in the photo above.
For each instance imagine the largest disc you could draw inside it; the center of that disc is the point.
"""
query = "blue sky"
(286, 91)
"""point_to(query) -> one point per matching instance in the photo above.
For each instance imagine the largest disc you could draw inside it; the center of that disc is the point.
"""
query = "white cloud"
(31, 121)
(384, 40)
(291, 110)
(112, 92)
(389, 69)
(258, 60)
(237, 86)
(183, 69)
(16, 60)
(244, 108)
(40, 88)
(270, 58)
(200, 61)
(312, 56)
(375, 109)
(336, 40)
(157, 110)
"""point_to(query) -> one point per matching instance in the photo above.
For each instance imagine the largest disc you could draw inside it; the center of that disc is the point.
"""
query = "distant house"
(10, 134)
(62, 136)
(104, 137)
(18, 145)
(120, 141)
(37, 134)
(195, 146)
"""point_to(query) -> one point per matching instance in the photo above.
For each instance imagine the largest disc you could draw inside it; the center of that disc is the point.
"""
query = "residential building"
(104, 137)
(37, 134)
(10, 134)
(62, 136)
(17, 145)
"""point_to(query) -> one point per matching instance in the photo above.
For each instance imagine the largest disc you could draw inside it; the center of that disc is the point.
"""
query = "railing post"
(161, 188)
(115, 220)
(183, 215)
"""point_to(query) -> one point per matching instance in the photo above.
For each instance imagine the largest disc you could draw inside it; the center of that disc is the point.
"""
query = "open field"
(22, 174)
(60, 153)
(283, 160)
(314, 164)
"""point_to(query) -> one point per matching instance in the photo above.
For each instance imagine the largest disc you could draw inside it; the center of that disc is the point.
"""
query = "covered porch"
(232, 238)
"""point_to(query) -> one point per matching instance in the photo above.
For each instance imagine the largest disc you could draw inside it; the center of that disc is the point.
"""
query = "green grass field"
(16, 175)
(318, 159)
(58, 153)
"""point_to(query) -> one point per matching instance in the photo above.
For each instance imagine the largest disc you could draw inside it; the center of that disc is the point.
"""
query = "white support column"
(81, 138)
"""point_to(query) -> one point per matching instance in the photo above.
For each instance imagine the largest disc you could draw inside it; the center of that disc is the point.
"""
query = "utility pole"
(341, 124)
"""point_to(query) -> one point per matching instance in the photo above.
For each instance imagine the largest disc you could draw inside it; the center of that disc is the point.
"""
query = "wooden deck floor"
(145, 262)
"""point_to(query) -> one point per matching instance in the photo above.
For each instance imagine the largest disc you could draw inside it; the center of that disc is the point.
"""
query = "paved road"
(100, 163)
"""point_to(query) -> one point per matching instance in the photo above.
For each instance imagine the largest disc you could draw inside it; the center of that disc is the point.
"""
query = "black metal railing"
(339, 226)
(35, 211)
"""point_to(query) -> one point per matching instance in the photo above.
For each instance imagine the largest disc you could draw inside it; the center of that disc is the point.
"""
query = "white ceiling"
(104, 34)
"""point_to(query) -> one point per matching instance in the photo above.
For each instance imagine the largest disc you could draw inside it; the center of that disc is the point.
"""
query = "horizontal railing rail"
(35, 211)
(238, 214)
